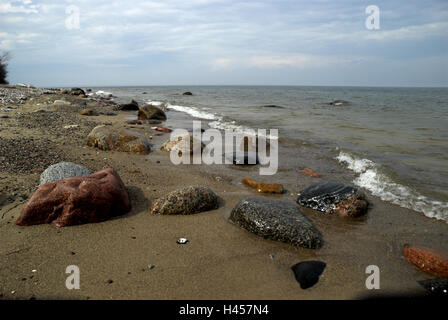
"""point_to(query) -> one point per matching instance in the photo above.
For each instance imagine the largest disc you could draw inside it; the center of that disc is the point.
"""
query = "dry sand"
(221, 260)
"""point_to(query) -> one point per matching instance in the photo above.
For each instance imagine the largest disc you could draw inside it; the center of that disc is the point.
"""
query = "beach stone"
(61, 103)
(273, 106)
(307, 273)
(150, 112)
(334, 198)
(163, 129)
(78, 200)
(310, 173)
(339, 102)
(77, 92)
(88, 112)
(188, 93)
(262, 187)
(428, 260)
(63, 170)
(437, 287)
(252, 144)
(182, 144)
(119, 139)
(276, 220)
(133, 105)
(188, 200)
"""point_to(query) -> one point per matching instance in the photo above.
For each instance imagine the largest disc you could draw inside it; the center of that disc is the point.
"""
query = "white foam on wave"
(233, 126)
(381, 185)
(195, 112)
(103, 93)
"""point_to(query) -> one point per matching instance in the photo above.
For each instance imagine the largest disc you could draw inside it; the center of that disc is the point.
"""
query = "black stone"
(276, 220)
(188, 93)
(436, 286)
(273, 106)
(307, 272)
(133, 105)
(324, 196)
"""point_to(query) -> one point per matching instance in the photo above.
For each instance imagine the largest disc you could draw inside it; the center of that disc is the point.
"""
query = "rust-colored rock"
(263, 187)
(310, 173)
(78, 200)
(163, 129)
(428, 260)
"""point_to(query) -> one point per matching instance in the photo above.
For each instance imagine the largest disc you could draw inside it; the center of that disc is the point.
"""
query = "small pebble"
(182, 241)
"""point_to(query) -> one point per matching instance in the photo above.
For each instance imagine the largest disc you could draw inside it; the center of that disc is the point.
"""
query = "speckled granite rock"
(276, 220)
(63, 170)
(182, 144)
(334, 198)
(307, 273)
(188, 200)
(437, 287)
(77, 200)
(427, 260)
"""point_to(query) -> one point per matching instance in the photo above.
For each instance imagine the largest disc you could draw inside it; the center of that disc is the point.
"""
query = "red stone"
(77, 200)
(163, 129)
(428, 260)
(310, 173)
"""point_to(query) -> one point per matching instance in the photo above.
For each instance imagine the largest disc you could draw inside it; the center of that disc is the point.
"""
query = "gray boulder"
(63, 170)
(276, 220)
(188, 200)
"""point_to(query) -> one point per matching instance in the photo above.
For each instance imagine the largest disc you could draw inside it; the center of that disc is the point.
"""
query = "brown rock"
(149, 112)
(88, 112)
(263, 187)
(182, 144)
(119, 139)
(310, 173)
(428, 260)
(163, 129)
(78, 200)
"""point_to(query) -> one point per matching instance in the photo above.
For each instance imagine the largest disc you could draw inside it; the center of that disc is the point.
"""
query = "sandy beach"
(220, 261)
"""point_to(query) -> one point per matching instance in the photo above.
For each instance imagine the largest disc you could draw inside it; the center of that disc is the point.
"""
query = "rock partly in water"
(438, 287)
(276, 220)
(188, 93)
(63, 170)
(310, 173)
(273, 106)
(88, 112)
(133, 105)
(339, 103)
(263, 187)
(427, 260)
(79, 200)
(307, 273)
(150, 112)
(119, 139)
(183, 144)
(252, 144)
(188, 200)
(163, 129)
(334, 198)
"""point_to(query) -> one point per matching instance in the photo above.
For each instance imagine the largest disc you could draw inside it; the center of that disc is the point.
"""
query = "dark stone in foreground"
(307, 272)
(436, 286)
(334, 198)
(243, 158)
(79, 200)
(188, 200)
(276, 220)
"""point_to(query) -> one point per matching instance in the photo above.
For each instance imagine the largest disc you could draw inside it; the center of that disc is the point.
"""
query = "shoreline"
(221, 261)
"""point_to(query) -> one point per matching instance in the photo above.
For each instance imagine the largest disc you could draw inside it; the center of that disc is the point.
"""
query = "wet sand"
(221, 260)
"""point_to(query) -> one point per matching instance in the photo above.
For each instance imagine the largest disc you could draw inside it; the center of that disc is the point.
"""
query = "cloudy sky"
(218, 42)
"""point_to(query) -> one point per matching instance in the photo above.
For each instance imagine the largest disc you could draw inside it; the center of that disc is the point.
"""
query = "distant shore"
(220, 261)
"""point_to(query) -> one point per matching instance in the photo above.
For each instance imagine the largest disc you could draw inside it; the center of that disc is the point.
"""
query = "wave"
(218, 121)
(372, 178)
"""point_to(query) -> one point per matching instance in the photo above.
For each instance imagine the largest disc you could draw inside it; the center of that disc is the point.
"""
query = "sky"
(225, 42)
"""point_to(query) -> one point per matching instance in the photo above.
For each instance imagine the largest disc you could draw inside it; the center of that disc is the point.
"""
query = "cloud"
(23, 6)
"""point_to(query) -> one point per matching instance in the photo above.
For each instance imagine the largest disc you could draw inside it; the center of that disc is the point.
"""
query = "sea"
(394, 140)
